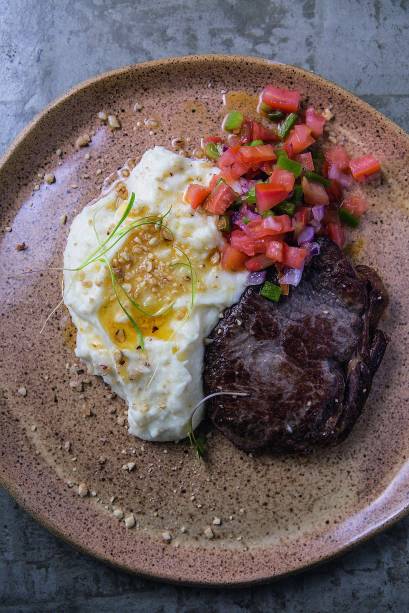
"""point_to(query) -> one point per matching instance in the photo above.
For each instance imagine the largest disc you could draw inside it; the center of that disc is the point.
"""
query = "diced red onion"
(313, 248)
(236, 218)
(291, 276)
(256, 278)
(342, 177)
(236, 187)
(246, 211)
(224, 148)
(318, 212)
(244, 186)
(233, 140)
(306, 235)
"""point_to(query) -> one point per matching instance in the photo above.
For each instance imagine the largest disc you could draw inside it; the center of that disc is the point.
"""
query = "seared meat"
(306, 362)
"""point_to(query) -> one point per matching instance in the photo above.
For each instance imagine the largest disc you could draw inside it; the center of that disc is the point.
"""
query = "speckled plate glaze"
(278, 515)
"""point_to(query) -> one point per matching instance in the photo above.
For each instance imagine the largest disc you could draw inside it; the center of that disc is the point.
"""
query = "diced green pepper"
(348, 218)
(281, 153)
(314, 176)
(233, 121)
(254, 143)
(250, 197)
(298, 195)
(274, 115)
(245, 220)
(291, 165)
(317, 158)
(271, 291)
(211, 151)
(286, 208)
(286, 125)
(223, 223)
(268, 213)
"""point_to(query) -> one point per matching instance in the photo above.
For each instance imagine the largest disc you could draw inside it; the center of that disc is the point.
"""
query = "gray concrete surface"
(46, 46)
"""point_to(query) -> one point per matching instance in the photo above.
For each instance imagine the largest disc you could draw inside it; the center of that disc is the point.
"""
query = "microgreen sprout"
(198, 442)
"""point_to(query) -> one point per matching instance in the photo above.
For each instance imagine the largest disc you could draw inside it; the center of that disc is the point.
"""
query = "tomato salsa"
(280, 187)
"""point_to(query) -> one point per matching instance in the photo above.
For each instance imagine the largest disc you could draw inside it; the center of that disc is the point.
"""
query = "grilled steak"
(307, 362)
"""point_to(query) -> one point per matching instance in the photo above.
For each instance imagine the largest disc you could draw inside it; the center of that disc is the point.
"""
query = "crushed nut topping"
(114, 122)
(82, 141)
(83, 490)
(49, 178)
(208, 532)
(130, 521)
(166, 536)
(118, 513)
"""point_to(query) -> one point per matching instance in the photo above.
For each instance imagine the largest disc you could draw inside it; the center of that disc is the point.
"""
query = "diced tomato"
(356, 204)
(213, 181)
(246, 131)
(267, 167)
(301, 219)
(219, 200)
(196, 194)
(336, 233)
(259, 132)
(338, 157)
(282, 99)
(212, 139)
(302, 216)
(314, 193)
(233, 140)
(257, 154)
(330, 216)
(299, 139)
(294, 257)
(268, 195)
(343, 177)
(248, 244)
(306, 160)
(314, 121)
(233, 259)
(364, 166)
(231, 164)
(258, 262)
(334, 191)
(269, 226)
(284, 179)
(275, 251)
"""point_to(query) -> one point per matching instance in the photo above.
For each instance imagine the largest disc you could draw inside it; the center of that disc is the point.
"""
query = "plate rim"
(7, 482)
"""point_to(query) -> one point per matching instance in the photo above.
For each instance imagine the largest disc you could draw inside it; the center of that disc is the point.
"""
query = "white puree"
(163, 383)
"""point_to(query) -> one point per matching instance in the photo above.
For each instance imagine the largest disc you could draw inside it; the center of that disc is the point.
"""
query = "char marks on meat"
(306, 362)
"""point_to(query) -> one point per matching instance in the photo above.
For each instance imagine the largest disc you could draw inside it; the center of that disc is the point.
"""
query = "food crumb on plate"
(49, 178)
(118, 513)
(83, 490)
(166, 536)
(130, 521)
(208, 532)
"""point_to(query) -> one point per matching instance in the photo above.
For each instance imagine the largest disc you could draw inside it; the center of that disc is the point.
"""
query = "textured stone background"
(46, 46)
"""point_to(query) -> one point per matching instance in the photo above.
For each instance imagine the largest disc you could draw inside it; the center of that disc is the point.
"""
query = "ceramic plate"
(278, 514)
